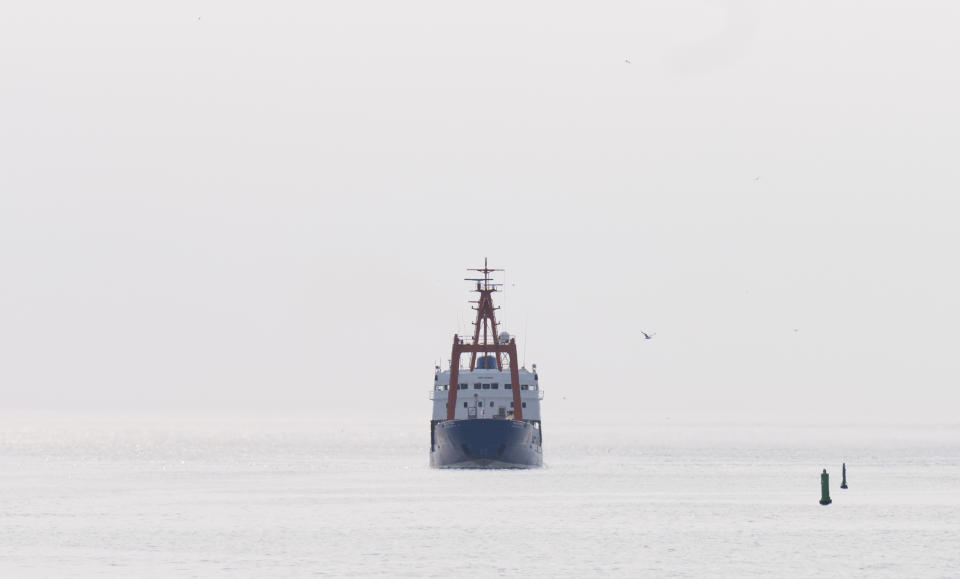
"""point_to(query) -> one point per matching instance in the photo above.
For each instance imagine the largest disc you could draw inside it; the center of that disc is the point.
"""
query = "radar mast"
(486, 313)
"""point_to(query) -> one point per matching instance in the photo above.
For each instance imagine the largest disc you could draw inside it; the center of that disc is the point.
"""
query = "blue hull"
(486, 443)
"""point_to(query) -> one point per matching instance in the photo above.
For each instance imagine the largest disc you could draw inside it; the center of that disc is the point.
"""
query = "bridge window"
(508, 386)
(462, 386)
(524, 386)
(476, 386)
(491, 404)
(511, 405)
(524, 404)
(445, 386)
(464, 404)
(495, 386)
(486, 386)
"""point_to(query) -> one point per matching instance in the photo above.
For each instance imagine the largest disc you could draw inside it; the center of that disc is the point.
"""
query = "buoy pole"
(825, 488)
(843, 484)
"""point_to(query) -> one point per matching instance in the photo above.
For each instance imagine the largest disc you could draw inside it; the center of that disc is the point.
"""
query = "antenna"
(506, 309)
(486, 279)
(526, 338)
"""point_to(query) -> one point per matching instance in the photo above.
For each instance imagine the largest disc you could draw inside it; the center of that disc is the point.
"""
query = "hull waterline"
(486, 443)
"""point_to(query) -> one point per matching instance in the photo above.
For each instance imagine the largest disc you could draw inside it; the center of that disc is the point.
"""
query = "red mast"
(485, 312)
(486, 318)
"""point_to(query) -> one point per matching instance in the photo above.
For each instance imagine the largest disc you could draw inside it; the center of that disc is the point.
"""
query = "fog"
(220, 206)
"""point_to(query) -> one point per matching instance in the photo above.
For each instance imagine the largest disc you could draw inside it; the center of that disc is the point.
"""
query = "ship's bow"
(486, 443)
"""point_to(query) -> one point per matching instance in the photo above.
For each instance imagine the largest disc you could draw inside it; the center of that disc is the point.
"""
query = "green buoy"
(825, 488)
(843, 483)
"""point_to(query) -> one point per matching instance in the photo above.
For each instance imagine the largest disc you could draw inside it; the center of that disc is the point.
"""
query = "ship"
(486, 414)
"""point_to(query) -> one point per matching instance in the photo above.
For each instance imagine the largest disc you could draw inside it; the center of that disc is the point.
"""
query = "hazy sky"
(232, 205)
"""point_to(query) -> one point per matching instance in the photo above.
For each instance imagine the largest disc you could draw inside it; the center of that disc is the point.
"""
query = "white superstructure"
(487, 393)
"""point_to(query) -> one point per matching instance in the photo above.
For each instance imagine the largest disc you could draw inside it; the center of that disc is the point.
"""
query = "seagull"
(756, 178)
(627, 60)
(647, 336)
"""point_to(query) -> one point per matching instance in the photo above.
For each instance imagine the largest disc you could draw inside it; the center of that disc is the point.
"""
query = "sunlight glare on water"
(124, 497)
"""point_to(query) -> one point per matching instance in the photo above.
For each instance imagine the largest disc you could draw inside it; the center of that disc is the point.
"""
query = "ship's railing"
(444, 393)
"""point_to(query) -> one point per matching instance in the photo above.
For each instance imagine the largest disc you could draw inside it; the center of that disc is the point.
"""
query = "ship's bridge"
(487, 393)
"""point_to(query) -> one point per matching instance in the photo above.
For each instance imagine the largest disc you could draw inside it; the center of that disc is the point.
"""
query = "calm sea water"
(124, 497)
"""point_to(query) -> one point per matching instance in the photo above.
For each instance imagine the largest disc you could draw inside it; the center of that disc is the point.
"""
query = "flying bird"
(627, 60)
(647, 336)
